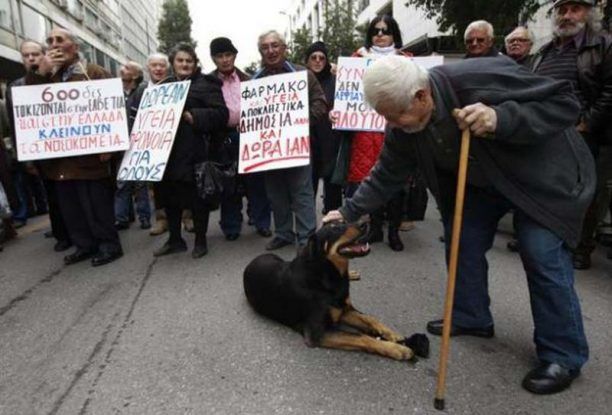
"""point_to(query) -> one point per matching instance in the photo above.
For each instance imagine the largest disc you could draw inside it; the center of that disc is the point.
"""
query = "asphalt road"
(176, 336)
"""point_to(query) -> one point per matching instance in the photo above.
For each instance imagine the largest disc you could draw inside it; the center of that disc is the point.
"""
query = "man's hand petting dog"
(333, 216)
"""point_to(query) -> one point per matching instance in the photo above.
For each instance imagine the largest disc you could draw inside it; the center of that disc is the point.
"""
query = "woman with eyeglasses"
(383, 38)
(199, 132)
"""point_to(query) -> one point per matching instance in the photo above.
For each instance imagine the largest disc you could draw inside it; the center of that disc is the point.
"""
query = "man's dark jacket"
(536, 159)
(594, 80)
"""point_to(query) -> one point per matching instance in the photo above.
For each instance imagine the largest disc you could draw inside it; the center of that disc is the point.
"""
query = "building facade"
(110, 31)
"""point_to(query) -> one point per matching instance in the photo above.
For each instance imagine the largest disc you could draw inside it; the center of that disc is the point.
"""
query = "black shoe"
(513, 245)
(77, 256)
(48, 234)
(121, 226)
(145, 224)
(102, 258)
(199, 251)
(18, 224)
(549, 378)
(265, 232)
(375, 235)
(435, 327)
(170, 248)
(581, 261)
(277, 243)
(232, 236)
(61, 246)
(395, 242)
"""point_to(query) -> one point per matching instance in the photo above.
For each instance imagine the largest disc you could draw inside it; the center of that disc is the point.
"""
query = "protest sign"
(159, 114)
(69, 119)
(274, 125)
(350, 108)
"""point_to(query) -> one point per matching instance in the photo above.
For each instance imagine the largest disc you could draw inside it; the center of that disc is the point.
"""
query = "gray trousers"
(290, 194)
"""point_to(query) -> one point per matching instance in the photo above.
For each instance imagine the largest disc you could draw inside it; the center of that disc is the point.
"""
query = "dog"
(311, 295)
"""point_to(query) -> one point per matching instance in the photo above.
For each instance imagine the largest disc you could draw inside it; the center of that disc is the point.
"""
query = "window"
(87, 52)
(34, 24)
(100, 58)
(5, 14)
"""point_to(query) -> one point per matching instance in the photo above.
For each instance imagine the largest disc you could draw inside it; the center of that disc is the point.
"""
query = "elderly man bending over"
(526, 156)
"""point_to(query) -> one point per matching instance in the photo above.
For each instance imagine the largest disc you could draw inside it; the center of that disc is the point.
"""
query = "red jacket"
(365, 149)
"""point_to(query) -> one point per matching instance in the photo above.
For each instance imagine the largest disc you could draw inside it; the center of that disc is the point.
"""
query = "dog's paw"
(419, 343)
(354, 275)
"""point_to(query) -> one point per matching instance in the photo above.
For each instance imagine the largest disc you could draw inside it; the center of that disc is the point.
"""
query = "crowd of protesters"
(87, 206)
(568, 79)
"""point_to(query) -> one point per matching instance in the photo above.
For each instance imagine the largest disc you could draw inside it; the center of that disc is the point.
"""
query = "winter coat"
(536, 159)
(595, 82)
(198, 142)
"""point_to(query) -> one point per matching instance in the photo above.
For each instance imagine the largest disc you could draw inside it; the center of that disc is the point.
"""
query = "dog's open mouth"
(354, 249)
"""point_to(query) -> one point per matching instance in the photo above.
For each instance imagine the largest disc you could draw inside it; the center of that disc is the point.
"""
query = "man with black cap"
(324, 141)
(223, 54)
(582, 54)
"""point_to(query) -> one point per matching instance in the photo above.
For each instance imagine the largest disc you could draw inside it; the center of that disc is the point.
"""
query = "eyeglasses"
(517, 40)
(477, 40)
(271, 46)
(317, 57)
(379, 31)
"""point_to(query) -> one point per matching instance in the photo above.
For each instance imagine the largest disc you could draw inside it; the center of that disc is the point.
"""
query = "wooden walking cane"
(452, 268)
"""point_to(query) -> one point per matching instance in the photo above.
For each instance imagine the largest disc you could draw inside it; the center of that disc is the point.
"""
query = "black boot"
(200, 248)
(394, 240)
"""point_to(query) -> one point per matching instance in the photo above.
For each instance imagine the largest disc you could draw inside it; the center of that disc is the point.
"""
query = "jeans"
(258, 207)
(559, 334)
(290, 193)
(123, 197)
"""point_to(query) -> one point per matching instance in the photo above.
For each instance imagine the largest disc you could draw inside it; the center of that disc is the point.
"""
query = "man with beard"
(526, 155)
(582, 54)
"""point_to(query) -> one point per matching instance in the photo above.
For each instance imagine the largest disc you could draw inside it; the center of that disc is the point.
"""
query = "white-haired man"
(290, 190)
(518, 45)
(479, 38)
(582, 54)
(526, 156)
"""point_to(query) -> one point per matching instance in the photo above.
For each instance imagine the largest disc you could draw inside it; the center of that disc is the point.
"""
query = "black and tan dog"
(311, 295)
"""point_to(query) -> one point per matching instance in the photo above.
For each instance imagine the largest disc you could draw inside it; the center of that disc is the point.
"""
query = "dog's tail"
(419, 343)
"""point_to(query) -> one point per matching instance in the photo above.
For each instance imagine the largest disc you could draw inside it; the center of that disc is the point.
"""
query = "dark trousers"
(332, 193)
(559, 334)
(231, 212)
(176, 197)
(89, 215)
(596, 212)
(58, 227)
(258, 208)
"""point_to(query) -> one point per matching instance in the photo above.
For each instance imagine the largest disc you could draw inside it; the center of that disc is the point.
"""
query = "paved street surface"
(176, 336)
